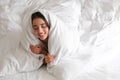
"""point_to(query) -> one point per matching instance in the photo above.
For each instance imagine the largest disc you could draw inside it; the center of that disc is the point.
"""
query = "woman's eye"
(44, 26)
(35, 28)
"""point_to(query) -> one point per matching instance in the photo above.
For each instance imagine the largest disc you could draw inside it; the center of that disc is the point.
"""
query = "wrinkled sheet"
(99, 34)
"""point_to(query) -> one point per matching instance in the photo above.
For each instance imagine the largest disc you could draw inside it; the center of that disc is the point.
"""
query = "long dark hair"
(39, 15)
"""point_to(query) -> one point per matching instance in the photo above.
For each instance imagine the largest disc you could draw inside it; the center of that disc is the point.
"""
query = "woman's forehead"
(38, 21)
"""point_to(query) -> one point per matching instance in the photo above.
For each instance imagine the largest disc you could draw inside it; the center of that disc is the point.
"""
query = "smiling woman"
(41, 30)
(40, 27)
(22, 24)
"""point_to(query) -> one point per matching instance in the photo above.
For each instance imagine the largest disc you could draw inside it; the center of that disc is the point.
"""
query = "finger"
(49, 56)
(47, 61)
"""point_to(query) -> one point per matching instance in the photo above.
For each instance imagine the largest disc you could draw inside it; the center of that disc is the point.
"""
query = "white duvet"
(89, 51)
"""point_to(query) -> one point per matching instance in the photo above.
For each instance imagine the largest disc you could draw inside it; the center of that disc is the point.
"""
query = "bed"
(93, 30)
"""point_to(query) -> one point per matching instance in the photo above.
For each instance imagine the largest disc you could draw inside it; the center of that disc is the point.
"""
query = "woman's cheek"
(36, 33)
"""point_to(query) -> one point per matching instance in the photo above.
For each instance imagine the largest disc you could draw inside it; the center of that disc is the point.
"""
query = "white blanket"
(71, 55)
(92, 56)
(60, 30)
(14, 57)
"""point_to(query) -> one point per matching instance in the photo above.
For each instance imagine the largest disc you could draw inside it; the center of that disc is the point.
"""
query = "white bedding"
(40, 74)
(96, 54)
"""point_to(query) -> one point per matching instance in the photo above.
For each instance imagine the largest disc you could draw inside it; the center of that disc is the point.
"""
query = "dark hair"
(39, 15)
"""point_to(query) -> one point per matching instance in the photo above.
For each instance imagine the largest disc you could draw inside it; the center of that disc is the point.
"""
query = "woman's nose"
(40, 30)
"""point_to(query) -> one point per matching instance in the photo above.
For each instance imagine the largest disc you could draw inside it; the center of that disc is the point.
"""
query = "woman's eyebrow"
(39, 24)
(42, 23)
(34, 25)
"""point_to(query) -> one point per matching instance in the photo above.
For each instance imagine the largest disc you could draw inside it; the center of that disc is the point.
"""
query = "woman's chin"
(42, 38)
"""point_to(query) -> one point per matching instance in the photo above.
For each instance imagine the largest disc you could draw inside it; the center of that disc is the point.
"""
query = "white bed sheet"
(40, 74)
(92, 22)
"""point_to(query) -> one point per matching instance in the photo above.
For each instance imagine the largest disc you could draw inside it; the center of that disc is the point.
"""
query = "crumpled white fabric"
(100, 67)
(13, 57)
(68, 11)
(104, 53)
(63, 27)
(64, 43)
(61, 8)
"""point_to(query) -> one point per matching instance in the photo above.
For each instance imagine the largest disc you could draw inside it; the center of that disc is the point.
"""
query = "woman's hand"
(36, 49)
(49, 58)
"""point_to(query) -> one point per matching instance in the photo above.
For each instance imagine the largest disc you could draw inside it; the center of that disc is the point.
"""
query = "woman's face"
(40, 28)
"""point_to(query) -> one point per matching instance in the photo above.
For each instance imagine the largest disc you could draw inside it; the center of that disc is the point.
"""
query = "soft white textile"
(99, 33)
(13, 57)
(64, 43)
(60, 30)
(80, 57)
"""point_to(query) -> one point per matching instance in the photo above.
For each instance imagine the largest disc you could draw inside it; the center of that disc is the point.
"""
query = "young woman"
(41, 30)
